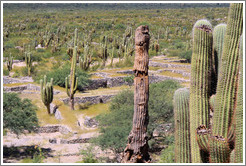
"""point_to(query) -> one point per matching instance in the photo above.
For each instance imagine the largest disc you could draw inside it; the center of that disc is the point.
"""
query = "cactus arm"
(182, 128)
(239, 110)
(66, 85)
(227, 79)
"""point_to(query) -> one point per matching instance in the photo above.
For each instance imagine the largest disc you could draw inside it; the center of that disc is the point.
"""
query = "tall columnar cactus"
(200, 88)
(9, 62)
(71, 82)
(112, 57)
(85, 60)
(47, 92)
(28, 60)
(227, 79)
(182, 126)
(239, 110)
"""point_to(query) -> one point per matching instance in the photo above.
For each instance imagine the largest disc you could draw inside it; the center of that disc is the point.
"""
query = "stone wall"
(52, 129)
(90, 99)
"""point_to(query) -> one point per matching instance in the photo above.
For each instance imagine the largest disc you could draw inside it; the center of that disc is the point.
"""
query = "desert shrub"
(18, 115)
(88, 156)
(116, 125)
(167, 154)
(186, 55)
(5, 71)
(61, 73)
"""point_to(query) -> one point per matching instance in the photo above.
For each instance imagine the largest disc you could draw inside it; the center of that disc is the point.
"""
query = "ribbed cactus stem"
(47, 92)
(182, 126)
(239, 110)
(9, 62)
(219, 150)
(218, 41)
(227, 79)
(85, 61)
(72, 82)
(28, 61)
(200, 87)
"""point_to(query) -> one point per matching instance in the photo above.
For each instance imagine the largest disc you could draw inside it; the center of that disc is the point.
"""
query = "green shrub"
(168, 154)
(88, 156)
(116, 125)
(61, 73)
(18, 115)
(186, 55)
(5, 71)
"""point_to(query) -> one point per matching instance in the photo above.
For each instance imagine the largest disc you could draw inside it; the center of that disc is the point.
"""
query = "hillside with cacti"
(122, 82)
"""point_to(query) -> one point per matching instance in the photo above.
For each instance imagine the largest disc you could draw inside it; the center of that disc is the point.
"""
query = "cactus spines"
(219, 150)
(137, 147)
(239, 110)
(182, 126)
(227, 79)
(200, 88)
(218, 41)
(9, 62)
(202, 136)
(71, 82)
(47, 92)
(28, 60)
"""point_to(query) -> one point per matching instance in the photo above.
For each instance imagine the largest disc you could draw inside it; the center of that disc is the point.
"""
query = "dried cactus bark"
(182, 125)
(227, 79)
(239, 111)
(136, 150)
(200, 87)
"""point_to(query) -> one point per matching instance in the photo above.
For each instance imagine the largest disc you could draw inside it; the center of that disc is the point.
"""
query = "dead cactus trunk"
(136, 150)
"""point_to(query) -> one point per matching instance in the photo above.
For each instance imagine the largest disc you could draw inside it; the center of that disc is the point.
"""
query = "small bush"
(168, 154)
(18, 115)
(5, 71)
(61, 73)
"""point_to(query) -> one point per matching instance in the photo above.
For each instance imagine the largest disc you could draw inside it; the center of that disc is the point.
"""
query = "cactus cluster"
(47, 92)
(85, 60)
(216, 125)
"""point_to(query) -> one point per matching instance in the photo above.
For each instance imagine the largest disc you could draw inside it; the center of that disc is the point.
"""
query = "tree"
(18, 115)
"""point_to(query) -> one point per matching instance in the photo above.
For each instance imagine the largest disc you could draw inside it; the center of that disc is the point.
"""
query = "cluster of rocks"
(90, 122)
(90, 99)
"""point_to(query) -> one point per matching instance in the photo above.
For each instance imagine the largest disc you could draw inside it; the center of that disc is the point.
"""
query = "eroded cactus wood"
(136, 150)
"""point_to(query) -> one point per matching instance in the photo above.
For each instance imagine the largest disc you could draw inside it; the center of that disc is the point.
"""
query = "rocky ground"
(62, 144)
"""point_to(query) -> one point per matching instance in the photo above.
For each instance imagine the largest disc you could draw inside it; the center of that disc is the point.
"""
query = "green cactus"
(182, 128)
(47, 92)
(85, 61)
(9, 62)
(239, 110)
(219, 150)
(71, 82)
(28, 60)
(218, 40)
(227, 79)
(200, 88)
(202, 136)
(112, 57)
(103, 53)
